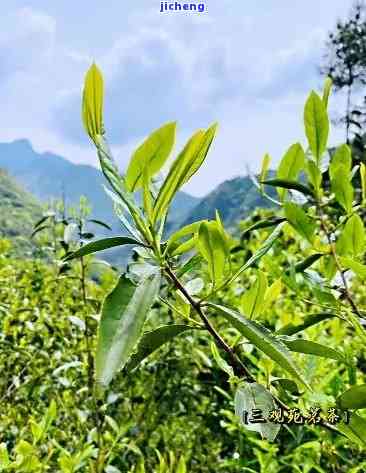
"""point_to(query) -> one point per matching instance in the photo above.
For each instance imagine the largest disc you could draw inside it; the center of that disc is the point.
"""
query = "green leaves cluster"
(166, 264)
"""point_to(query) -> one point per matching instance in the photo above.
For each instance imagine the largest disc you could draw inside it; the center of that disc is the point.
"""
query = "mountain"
(234, 199)
(19, 211)
(48, 175)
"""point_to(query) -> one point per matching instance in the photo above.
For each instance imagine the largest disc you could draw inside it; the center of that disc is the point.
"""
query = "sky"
(247, 64)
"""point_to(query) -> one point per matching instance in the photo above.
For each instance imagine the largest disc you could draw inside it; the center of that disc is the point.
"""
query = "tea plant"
(336, 247)
(199, 321)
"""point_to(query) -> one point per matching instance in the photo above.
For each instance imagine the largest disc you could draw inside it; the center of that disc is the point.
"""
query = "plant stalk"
(236, 363)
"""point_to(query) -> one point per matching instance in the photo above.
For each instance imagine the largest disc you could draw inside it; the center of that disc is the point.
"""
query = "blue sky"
(249, 65)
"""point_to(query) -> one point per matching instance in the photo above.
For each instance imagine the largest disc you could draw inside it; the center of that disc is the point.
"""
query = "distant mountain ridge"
(48, 175)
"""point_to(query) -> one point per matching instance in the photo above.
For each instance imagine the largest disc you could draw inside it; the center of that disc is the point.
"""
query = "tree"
(345, 61)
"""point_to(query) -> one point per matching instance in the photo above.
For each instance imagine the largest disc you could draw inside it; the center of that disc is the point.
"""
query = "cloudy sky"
(248, 64)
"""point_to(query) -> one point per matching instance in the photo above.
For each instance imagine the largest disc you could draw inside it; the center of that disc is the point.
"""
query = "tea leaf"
(150, 155)
(152, 341)
(292, 185)
(341, 157)
(355, 430)
(263, 339)
(358, 268)
(342, 187)
(123, 315)
(255, 396)
(352, 239)
(291, 164)
(316, 125)
(363, 180)
(309, 321)
(353, 398)
(264, 169)
(103, 244)
(297, 217)
(223, 365)
(212, 246)
(326, 91)
(92, 106)
(183, 168)
(253, 299)
(313, 348)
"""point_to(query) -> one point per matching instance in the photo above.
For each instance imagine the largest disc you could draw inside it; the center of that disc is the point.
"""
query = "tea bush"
(202, 328)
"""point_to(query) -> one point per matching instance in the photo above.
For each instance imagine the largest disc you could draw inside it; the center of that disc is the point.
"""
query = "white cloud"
(248, 68)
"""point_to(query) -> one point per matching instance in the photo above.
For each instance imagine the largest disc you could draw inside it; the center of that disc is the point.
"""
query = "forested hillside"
(19, 211)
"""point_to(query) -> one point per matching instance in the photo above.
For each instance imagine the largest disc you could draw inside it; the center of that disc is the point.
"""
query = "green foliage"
(316, 126)
(183, 168)
(254, 396)
(151, 155)
(123, 315)
(212, 246)
(177, 403)
(291, 165)
(92, 110)
(253, 299)
(263, 339)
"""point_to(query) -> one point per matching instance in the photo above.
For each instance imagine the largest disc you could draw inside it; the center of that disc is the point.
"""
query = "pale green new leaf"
(123, 315)
(253, 299)
(147, 197)
(314, 175)
(298, 219)
(316, 125)
(117, 183)
(255, 396)
(185, 165)
(272, 294)
(352, 239)
(341, 157)
(290, 166)
(342, 187)
(185, 247)
(225, 236)
(363, 180)
(264, 169)
(212, 246)
(92, 105)
(358, 268)
(263, 339)
(190, 229)
(326, 91)
(150, 155)
(181, 467)
(4, 457)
